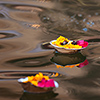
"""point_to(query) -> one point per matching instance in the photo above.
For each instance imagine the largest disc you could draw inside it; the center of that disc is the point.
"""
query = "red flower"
(82, 43)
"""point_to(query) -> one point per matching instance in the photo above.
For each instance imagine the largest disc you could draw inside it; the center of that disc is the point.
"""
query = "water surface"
(26, 25)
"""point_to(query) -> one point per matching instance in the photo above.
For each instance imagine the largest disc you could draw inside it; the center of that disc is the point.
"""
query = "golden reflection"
(34, 25)
(20, 74)
(70, 66)
(80, 65)
(43, 0)
(55, 75)
(27, 8)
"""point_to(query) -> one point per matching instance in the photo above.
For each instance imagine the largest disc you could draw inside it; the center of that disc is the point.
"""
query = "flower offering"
(39, 81)
(69, 44)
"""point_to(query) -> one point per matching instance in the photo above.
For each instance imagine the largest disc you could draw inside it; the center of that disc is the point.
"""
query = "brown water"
(26, 24)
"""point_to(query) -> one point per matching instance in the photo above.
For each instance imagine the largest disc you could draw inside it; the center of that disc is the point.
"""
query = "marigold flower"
(39, 77)
(46, 77)
(30, 78)
(34, 83)
(65, 43)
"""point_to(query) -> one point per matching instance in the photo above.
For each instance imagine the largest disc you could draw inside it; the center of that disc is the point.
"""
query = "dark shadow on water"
(1, 15)
(38, 96)
(68, 59)
(94, 40)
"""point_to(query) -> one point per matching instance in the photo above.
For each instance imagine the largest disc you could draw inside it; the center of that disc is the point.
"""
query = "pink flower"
(82, 43)
(42, 83)
(50, 83)
(83, 63)
(46, 83)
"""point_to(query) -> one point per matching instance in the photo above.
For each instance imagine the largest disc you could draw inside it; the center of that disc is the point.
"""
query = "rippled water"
(27, 24)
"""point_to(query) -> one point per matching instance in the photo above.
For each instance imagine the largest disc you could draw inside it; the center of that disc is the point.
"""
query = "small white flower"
(70, 42)
(23, 79)
(56, 84)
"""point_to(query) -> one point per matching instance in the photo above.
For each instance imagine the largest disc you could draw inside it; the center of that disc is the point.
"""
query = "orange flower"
(39, 77)
(34, 83)
(30, 78)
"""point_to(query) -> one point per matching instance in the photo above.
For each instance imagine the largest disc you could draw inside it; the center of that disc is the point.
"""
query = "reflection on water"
(8, 34)
(25, 25)
(68, 59)
(41, 96)
(31, 62)
(12, 75)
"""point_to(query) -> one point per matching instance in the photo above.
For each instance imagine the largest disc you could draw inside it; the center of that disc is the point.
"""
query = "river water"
(26, 25)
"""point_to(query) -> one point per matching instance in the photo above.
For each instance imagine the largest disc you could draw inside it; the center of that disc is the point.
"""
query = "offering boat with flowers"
(64, 45)
(38, 84)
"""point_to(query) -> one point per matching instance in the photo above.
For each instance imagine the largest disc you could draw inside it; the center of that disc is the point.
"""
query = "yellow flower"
(61, 39)
(39, 77)
(30, 78)
(35, 79)
(34, 83)
(46, 77)
(54, 43)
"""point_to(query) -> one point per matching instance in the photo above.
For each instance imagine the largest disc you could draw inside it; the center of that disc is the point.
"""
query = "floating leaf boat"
(63, 45)
(38, 84)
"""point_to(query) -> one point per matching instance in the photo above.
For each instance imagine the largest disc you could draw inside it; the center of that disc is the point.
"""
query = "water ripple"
(9, 34)
(13, 75)
(30, 62)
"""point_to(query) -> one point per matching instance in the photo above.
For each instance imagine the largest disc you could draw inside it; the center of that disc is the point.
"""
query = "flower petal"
(23, 80)
(34, 83)
(56, 84)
